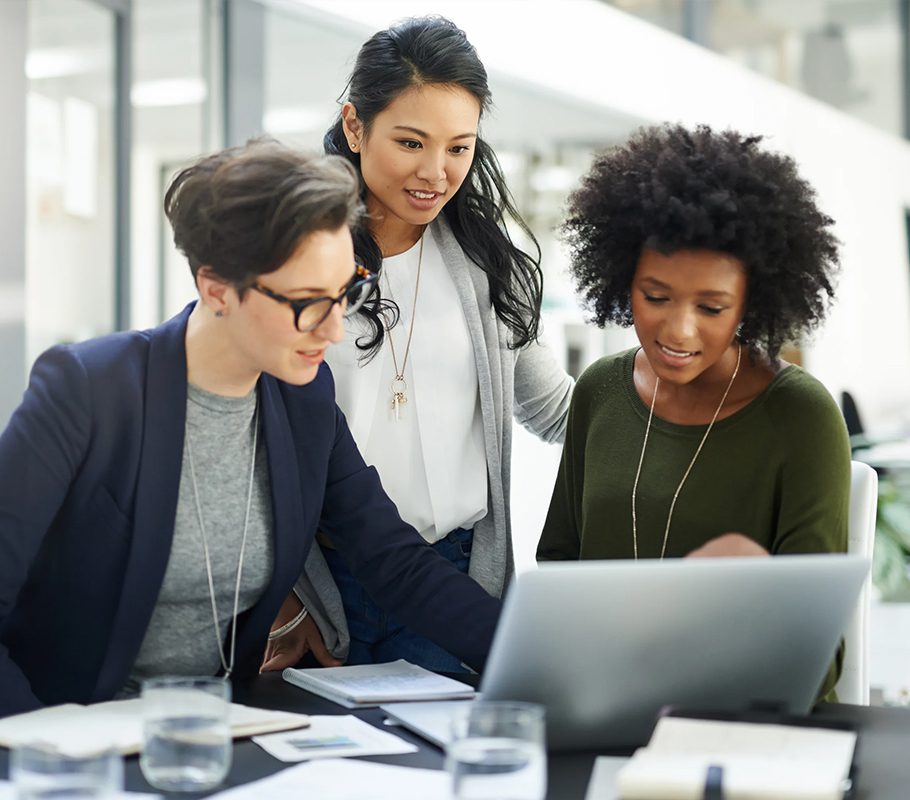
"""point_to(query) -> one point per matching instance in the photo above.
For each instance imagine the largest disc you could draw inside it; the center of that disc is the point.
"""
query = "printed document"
(334, 735)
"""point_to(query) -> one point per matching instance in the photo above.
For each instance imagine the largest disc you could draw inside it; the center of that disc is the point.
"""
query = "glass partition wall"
(175, 106)
(70, 173)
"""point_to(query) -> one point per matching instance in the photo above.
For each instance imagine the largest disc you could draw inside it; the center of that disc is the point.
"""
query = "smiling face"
(686, 307)
(414, 157)
(261, 330)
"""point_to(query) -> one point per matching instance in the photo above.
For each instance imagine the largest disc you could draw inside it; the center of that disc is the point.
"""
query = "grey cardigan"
(527, 383)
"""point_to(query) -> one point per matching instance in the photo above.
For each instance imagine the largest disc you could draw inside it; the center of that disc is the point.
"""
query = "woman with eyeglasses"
(443, 354)
(161, 489)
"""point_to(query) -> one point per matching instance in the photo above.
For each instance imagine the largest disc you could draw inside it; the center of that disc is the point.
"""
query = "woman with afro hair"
(702, 439)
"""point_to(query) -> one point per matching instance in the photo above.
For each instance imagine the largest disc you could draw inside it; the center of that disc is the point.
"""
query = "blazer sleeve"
(543, 390)
(41, 451)
(399, 570)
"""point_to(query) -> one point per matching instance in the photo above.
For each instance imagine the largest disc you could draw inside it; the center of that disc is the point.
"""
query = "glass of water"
(498, 752)
(39, 773)
(186, 733)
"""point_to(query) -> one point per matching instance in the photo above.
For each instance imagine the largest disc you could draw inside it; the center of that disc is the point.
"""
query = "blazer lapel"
(158, 483)
(290, 523)
(286, 476)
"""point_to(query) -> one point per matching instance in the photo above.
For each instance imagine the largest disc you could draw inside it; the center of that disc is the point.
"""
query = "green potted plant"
(891, 559)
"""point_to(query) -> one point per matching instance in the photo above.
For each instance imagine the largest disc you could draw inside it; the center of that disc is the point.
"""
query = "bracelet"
(288, 626)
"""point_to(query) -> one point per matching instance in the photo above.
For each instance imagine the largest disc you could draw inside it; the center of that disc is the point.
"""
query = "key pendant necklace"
(399, 386)
(399, 394)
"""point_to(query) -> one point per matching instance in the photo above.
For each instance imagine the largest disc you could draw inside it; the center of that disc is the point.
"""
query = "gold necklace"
(701, 444)
(399, 386)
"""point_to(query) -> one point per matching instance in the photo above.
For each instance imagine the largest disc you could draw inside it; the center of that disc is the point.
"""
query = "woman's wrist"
(285, 629)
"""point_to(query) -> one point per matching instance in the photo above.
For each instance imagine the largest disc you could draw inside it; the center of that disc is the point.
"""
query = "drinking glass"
(186, 733)
(41, 772)
(497, 752)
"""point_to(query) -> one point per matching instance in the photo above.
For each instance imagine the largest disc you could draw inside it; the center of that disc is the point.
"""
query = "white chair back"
(853, 685)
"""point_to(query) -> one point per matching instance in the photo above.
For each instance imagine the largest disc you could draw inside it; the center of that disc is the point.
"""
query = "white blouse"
(431, 459)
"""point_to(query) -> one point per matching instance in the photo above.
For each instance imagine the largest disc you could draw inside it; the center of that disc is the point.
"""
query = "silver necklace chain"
(701, 444)
(399, 387)
(228, 665)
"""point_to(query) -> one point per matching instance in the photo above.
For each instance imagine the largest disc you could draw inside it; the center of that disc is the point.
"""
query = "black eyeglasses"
(309, 314)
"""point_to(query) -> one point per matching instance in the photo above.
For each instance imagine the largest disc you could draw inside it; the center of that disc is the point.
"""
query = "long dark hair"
(432, 50)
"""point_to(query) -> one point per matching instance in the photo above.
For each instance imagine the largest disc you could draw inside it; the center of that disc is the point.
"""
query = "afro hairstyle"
(669, 189)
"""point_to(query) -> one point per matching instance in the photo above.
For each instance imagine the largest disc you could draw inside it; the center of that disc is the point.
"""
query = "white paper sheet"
(602, 785)
(7, 792)
(431, 720)
(333, 736)
(345, 779)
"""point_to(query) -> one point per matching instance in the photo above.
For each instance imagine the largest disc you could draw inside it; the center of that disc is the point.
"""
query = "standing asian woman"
(445, 353)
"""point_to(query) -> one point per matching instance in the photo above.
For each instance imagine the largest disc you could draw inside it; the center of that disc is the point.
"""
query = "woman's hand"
(728, 544)
(287, 650)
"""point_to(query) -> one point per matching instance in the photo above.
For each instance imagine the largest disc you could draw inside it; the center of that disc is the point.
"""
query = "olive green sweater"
(777, 471)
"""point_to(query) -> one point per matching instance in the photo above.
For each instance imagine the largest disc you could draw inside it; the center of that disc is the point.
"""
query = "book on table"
(690, 759)
(77, 730)
(367, 685)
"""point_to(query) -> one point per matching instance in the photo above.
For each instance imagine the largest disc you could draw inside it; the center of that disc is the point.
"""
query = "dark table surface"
(883, 756)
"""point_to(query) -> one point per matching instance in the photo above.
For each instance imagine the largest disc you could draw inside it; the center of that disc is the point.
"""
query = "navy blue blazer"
(89, 474)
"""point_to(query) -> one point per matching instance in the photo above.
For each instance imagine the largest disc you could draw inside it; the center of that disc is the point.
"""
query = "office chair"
(853, 685)
(852, 416)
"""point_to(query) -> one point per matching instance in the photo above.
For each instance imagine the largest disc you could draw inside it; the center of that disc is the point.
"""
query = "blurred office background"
(102, 100)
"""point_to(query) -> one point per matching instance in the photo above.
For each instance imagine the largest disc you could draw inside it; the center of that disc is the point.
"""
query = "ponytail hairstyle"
(419, 52)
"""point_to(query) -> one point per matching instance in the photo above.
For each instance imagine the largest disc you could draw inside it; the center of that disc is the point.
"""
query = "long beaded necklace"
(228, 664)
(701, 444)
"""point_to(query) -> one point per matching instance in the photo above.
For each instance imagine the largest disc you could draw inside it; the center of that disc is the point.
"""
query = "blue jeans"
(375, 636)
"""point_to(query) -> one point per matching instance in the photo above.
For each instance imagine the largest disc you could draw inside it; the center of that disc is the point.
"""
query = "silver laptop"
(604, 645)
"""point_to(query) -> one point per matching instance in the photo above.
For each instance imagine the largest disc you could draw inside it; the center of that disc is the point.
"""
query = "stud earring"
(353, 146)
(219, 314)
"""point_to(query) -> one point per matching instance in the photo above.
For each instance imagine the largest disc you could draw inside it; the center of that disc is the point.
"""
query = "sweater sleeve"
(815, 486)
(542, 392)
(815, 476)
(560, 539)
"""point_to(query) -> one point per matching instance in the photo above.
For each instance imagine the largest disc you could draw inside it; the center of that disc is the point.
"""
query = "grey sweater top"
(181, 638)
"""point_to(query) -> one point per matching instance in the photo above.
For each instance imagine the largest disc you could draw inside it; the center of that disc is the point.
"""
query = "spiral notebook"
(368, 685)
